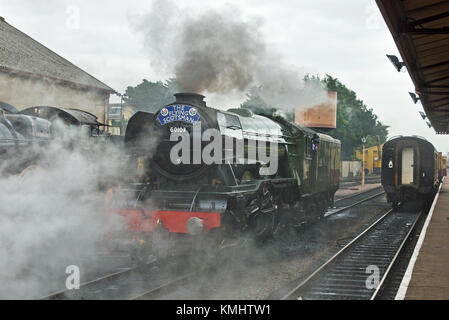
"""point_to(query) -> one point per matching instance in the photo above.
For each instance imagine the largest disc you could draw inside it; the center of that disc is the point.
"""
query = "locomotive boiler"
(256, 166)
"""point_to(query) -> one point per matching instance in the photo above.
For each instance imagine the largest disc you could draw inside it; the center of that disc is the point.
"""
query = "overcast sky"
(346, 39)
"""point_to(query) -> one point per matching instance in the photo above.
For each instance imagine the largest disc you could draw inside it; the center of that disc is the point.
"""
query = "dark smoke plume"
(221, 52)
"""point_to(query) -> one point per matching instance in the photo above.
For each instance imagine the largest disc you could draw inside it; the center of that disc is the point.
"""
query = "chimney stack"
(189, 97)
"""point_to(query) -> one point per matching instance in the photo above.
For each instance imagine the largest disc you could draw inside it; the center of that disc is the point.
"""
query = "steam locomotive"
(187, 196)
(411, 170)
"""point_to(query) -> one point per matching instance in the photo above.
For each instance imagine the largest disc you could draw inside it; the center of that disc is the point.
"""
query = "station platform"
(427, 276)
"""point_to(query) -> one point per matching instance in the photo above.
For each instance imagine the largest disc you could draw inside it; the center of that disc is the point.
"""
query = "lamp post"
(122, 97)
(121, 114)
(363, 161)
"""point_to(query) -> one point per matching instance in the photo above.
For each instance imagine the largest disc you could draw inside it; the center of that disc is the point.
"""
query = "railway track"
(171, 286)
(97, 288)
(77, 293)
(128, 284)
(358, 194)
(348, 202)
(166, 288)
(359, 269)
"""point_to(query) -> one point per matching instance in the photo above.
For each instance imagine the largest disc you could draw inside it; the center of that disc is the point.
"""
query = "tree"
(151, 96)
(354, 119)
(256, 104)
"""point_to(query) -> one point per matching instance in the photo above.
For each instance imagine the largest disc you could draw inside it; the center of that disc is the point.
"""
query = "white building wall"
(23, 92)
(351, 168)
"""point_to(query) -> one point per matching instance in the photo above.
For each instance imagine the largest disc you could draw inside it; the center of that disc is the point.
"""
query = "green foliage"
(151, 96)
(256, 104)
(354, 119)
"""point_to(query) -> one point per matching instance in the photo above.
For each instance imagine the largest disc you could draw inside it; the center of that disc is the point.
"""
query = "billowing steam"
(222, 52)
(52, 217)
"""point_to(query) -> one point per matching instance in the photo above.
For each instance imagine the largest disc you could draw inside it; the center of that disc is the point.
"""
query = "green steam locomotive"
(198, 171)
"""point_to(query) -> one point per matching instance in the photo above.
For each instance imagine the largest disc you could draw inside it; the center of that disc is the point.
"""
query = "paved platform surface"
(430, 275)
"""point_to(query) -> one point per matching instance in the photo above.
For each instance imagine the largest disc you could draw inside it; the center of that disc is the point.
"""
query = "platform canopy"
(420, 29)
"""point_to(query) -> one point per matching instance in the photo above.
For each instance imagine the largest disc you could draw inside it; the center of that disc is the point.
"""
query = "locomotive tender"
(411, 170)
(193, 197)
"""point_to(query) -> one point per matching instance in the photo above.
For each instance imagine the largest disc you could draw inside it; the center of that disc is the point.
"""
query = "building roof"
(74, 116)
(22, 55)
(420, 29)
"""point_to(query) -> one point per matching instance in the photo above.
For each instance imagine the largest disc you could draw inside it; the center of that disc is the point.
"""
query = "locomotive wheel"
(264, 218)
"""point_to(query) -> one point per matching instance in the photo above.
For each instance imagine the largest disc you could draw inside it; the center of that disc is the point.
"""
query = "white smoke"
(52, 217)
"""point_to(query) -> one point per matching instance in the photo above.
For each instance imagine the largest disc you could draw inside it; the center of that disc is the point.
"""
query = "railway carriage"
(410, 170)
(192, 197)
(442, 167)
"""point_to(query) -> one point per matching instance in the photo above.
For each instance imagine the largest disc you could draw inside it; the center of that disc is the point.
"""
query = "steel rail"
(357, 256)
(328, 262)
(329, 213)
(393, 261)
(356, 194)
(166, 287)
(62, 293)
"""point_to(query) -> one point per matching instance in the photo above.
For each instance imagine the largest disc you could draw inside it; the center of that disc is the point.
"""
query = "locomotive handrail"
(226, 190)
(194, 198)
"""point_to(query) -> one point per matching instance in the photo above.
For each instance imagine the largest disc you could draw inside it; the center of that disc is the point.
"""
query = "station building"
(118, 117)
(33, 75)
(373, 161)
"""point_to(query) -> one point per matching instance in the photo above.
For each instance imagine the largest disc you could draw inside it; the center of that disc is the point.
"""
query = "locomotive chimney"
(189, 97)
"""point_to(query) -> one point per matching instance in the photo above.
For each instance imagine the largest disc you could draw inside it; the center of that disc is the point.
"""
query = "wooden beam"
(429, 19)
(435, 65)
(438, 100)
(410, 30)
(438, 79)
